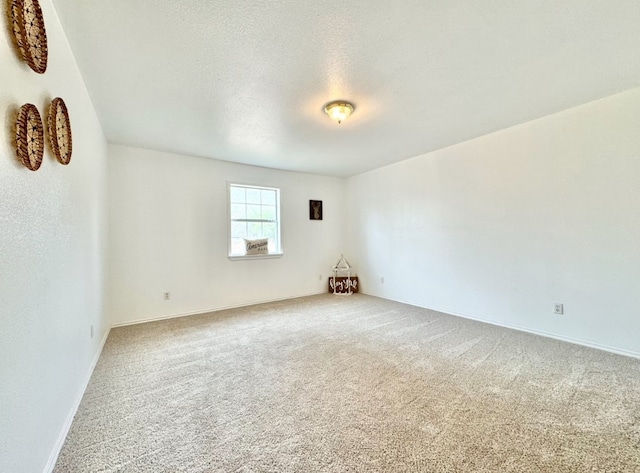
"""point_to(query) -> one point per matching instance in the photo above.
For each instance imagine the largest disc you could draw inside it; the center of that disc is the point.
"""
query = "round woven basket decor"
(29, 137)
(59, 129)
(29, 33)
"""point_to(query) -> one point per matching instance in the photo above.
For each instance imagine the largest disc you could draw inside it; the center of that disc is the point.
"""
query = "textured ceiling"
(246, 81)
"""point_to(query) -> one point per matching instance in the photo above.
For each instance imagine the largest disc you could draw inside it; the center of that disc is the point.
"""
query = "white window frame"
(278, 251)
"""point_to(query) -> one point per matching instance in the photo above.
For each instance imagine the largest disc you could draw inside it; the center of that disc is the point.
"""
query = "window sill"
(250, 257)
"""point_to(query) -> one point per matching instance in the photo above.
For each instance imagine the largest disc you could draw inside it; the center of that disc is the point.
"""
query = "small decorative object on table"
(340, 284)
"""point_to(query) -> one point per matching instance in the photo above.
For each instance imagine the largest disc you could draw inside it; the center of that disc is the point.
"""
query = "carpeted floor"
(351, 384)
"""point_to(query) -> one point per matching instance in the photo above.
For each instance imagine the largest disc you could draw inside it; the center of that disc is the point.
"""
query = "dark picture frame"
(315, 210)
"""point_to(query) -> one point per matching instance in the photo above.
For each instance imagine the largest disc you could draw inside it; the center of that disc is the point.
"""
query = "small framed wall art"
(30, 34)
(315, 210)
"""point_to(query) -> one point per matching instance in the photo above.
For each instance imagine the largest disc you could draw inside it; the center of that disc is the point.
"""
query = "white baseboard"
(575, 341)
(215, 309)
(53, 458)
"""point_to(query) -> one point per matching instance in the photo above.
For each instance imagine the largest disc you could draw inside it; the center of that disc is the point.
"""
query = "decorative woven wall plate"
(59, 129)
(29, 137)
(30, 34)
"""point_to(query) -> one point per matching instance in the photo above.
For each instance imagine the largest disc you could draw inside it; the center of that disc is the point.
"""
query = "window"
(254, 213)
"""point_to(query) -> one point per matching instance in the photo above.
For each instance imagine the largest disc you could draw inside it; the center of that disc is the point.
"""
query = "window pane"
(254, 230)
(237, 194)
(237, 246)
(253, 196)
(238, 229)
(268, 212)
(268, 197)
(238, 211)
(254, 212)
(270, 230)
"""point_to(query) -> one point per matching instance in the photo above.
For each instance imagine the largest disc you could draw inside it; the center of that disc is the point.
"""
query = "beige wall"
(501, 227)
(169, 233)
(52, 260)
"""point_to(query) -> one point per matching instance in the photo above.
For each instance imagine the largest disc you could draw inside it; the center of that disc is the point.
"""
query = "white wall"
(501, 227)
(168, 232)
(52, 259)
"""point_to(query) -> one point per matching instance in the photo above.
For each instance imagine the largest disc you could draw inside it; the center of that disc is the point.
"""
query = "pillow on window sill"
(256, 247)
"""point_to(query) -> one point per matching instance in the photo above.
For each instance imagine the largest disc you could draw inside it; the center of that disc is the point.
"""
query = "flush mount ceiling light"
(338, 111)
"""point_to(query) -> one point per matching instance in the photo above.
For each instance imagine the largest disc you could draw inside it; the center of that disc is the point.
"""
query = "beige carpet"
(351, 384)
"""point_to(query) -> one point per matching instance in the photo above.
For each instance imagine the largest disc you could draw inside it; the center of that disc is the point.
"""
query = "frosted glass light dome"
(338, 111)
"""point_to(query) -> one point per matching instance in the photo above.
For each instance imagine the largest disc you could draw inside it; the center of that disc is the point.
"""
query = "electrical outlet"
(167, 296)
(558, 309)
(382, 280)
(320, 277)
(92, 331)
